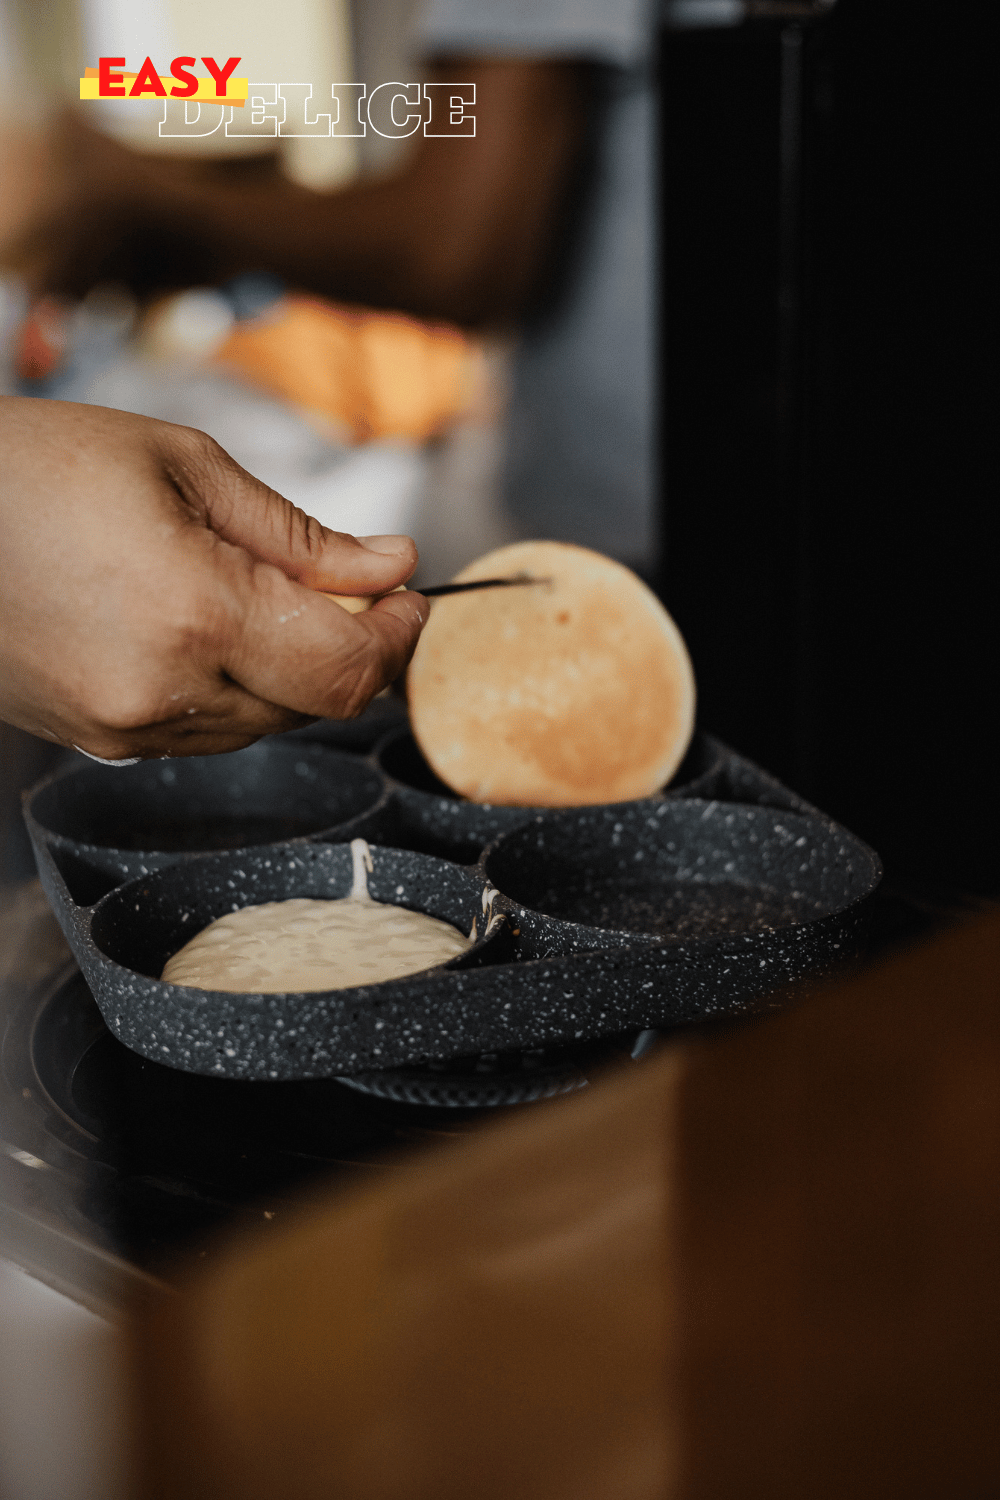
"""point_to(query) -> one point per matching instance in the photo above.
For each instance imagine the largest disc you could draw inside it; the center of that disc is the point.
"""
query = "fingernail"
(389, 546)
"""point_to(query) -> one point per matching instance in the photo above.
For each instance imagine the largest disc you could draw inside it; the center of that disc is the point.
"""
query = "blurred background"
(750, 355)
(829, 390)
(409, 445)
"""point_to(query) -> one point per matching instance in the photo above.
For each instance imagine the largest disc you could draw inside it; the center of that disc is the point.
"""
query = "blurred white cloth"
(304, 41)
(62, 1422)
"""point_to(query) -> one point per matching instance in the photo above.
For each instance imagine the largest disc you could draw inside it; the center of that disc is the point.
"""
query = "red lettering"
(106, 79)
(179, 69)
(220, 74)
(147, 81)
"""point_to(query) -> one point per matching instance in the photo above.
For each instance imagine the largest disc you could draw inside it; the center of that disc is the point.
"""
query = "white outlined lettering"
(349, 98)
(393, 110)
(297, 121)
(386, 109)
(178, 119)
(262, 113)
(448, 114)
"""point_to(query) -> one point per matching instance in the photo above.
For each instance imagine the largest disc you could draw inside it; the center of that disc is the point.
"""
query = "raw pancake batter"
(306, 944)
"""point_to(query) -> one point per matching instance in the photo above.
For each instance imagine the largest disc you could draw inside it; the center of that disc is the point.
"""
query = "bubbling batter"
(305, 944)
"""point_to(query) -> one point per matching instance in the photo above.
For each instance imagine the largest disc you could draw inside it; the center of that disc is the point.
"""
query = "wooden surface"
(489, 1324)
(838, 1236)
(762, 1265)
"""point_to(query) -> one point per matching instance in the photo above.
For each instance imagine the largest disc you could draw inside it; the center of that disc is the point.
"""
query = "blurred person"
(28, 174)
(543, 219)
(155, 599)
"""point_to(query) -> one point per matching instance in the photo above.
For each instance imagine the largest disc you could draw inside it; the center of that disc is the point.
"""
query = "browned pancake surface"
(570, 692)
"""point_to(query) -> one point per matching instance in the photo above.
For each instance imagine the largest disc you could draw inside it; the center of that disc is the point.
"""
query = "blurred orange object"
(41, 341)
(375, 374)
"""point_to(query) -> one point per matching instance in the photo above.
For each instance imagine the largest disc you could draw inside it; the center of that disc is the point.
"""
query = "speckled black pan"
(123, 941)
(428, 815)
(359, 735)
(760, 899)
(683, 873)
(128, 820)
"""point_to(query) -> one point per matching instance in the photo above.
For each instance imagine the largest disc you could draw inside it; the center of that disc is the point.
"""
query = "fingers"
(226, 717)
(151, 603)
(300, 650)
(409, 607)
(287, 644)
(251, 515)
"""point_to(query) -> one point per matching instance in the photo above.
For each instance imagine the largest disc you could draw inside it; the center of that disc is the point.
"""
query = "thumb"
(242, 510)
(296, 649)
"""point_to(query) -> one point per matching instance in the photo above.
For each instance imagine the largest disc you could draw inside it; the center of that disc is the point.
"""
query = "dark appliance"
(829, 492)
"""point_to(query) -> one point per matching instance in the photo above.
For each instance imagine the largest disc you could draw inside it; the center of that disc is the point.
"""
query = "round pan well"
(429, 816)
(682, 871)
(148, 815)
(123, 943)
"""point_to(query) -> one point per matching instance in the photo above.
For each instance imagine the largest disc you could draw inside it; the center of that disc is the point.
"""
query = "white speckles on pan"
(311, 944)
(129, 821)
(153, 814)
(680, 872)
(763, 909)
(430, 816)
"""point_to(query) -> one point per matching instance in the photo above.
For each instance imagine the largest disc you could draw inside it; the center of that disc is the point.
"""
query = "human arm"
(157, 599)
(462, 232)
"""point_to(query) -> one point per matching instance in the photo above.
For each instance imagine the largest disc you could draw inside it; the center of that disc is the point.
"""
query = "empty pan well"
(400, 757)
(683, 871)
(274, 790)
(433, 818)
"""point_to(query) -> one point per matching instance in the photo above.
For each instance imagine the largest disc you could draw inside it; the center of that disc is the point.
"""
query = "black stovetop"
(114, 1165)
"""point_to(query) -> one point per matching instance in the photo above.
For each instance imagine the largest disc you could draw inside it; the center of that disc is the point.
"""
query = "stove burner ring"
(494, 1080)
(414, 1086)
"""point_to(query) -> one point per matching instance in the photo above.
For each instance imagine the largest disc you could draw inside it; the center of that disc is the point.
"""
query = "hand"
(156, 599)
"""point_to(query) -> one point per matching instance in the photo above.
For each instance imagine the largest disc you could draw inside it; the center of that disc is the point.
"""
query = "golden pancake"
(579, 690)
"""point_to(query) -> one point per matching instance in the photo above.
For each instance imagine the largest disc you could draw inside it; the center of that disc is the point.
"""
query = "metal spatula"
(515, 580)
